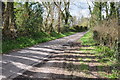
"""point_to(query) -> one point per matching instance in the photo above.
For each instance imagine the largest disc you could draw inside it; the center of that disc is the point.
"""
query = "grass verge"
(26, 41)
(105, 54)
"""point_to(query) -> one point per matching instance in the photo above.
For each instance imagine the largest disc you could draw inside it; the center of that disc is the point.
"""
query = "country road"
(59, 40)
(45, 60)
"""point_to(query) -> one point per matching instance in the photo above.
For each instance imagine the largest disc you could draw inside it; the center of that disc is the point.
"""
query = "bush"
(77, 28)
(86, 28)
(66, 28)
(106, 34)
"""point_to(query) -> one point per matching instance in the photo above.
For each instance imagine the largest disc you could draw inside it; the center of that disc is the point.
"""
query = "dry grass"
(108, 32)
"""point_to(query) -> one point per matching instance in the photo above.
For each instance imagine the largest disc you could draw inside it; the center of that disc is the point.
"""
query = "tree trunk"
(59, 19)
(100, 9)
(52, 18)
(119, 13)
(106, 6)
(112, 9)
(6, 19)
(67, 12)
(12, 16)
(2, 8)
(9, 21)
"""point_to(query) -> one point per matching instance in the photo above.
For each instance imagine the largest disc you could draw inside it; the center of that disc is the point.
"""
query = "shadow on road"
(67, 65)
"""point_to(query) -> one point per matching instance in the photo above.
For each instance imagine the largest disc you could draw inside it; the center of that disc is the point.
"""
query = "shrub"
(77, 28)
(106, 34)
(86, 28)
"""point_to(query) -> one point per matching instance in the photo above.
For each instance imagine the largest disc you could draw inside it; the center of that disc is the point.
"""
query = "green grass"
(26, 41)
(87, 39)
(106, 55)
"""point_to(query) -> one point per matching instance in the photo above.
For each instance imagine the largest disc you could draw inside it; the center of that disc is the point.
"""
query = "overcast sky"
(80, 8)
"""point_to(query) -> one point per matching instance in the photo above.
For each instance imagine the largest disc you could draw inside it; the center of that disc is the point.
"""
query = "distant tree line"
(26, 18)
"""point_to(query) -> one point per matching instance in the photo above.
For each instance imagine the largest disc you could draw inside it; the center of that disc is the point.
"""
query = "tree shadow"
(59, 51)
(66, 66)
(19, 61)
(87, 49)
(55, 77)
(74, 56)
(26, 59)
(88, 45)
(16, 61)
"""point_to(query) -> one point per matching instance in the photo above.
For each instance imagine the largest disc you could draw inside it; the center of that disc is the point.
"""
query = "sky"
(80, 8)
